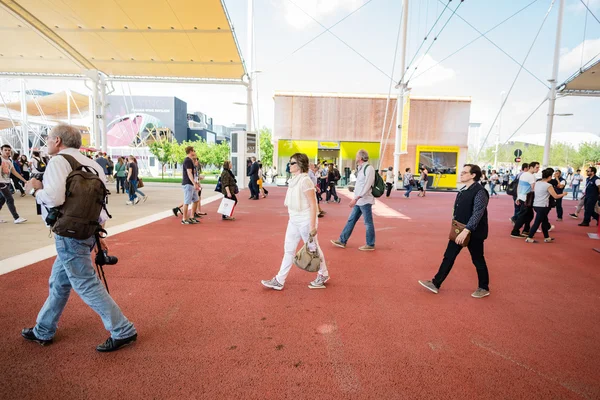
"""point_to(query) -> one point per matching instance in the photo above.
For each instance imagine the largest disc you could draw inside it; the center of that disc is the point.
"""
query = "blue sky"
(480, 71)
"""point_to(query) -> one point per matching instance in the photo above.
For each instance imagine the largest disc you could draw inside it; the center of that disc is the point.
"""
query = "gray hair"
(363, 155)
(69, 135)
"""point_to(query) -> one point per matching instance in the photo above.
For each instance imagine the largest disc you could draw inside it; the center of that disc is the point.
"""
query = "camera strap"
(99, 268)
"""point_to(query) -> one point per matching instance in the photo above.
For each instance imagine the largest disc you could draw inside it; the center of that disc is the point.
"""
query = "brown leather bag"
(456, 229)
(140, 183)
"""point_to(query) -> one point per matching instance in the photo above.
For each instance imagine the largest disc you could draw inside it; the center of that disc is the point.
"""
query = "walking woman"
(24, 166)
(389, 181)
(261, 178)
(423, 180)
(137, 189)
(541, 204)
(16, 182)
(302, 207)
(120, 174)
(228, 186)
(331, 183)
(408, 182)
(494, 180)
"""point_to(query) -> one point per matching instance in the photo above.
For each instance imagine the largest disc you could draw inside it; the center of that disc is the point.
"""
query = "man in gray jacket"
(361, 204)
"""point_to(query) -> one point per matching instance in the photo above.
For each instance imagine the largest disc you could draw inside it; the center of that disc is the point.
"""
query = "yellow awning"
(141, 38)
(54, 105)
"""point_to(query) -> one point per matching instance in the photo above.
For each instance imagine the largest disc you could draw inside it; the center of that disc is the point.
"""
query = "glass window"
(438, 163)
(234, 142)
(234, 164)
(152, 161)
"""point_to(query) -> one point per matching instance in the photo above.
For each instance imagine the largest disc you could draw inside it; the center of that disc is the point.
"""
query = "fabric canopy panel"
(7, 123)
(585, 82)
(54, 105)
(163, 38)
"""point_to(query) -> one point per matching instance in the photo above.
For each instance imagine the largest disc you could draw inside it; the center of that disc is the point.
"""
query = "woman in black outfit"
(332, 178)
(228, 186)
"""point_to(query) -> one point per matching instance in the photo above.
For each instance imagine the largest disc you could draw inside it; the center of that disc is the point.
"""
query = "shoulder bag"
(455, 230)
(310, 261)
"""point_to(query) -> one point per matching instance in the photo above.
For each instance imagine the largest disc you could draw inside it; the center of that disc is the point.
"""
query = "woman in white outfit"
(302, 207)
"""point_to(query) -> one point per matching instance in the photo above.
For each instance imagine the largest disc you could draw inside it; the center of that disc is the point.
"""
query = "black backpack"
(85, 198)
(41, 166)
(511, 189)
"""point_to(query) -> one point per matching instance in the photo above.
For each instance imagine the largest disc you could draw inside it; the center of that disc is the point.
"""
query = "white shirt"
(389, 177)
(364, 183)
(296, 197)
(6, 167)
(541, 194)
(55, 181)
(526, 183)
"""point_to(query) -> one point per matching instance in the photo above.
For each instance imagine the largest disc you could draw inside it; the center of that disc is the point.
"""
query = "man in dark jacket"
(470, 208)
(253, 174)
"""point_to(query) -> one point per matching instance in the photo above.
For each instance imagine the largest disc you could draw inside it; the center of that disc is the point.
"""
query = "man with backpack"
(362, 203)
(511, 190)
(83, 179)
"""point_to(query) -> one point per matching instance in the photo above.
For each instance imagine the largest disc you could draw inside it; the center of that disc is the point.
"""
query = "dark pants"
(17, 184)
(559, 208)
(541, 219)
(7, 197)
(524, 218)
(517, 208)
(121, 182)
(132, 189)
(476, 249)
(323, 186)
(588, 206)
(388, 190)
(332, 192)
(25, 175)
(253, 186)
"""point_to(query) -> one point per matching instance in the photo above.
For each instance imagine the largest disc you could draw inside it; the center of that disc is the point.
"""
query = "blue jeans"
(132, 195)
(575, 191)
(492, 191)
(357, 211)
(409, 188)
(73, 269)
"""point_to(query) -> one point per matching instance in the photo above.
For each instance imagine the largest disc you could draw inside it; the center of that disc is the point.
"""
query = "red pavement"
(208, 329)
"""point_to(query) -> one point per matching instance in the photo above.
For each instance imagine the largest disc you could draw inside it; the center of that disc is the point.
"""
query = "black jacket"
(254, 171)
(463, 210)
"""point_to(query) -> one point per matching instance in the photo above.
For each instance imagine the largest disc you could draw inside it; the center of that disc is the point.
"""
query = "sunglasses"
(293, 163)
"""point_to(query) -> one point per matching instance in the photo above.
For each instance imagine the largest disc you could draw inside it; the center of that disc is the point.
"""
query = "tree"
(163, 151)
(221, 153)
(266, 146)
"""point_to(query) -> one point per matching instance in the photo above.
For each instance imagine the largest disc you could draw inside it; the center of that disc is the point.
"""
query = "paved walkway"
(208, 329)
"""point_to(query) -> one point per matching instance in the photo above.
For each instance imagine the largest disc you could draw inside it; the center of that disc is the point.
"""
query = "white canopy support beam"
(24, 125)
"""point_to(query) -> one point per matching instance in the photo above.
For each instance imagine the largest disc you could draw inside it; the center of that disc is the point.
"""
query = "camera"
(102, 258)
(53, 214)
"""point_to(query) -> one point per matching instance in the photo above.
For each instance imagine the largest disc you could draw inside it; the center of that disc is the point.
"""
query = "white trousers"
(298, 229)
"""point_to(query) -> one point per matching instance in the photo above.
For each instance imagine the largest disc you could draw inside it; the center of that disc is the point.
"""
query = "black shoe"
(584, 224)
(28, 334)
(176, 210)
(115, 344)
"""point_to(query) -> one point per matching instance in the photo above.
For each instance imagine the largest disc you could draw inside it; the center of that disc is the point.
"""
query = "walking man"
(470, 208)
(525, 193)
(591, 194)
(575, 183)
(73, 268)
(253, 174)
(361, 204)
(6, 170)
(190, 187)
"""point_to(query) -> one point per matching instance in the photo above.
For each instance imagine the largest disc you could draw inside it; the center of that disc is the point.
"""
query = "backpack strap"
(72, 161)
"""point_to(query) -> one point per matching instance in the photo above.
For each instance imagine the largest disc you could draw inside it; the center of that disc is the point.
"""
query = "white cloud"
(317, 9)
(435, 75)
(571, 61)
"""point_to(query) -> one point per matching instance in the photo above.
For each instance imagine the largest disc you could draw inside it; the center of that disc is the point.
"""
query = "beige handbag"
(307, 260)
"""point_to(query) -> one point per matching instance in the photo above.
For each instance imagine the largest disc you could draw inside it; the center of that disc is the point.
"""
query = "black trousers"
(452, 251)
(524, 218)
(389, 187)
(590, 212)
(253, 186)
(541, 219)
(332, 192)
(6, 197)
(17, 184)
(559, 208)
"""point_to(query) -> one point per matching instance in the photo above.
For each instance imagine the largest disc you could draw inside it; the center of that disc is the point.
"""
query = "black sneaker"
(197, 215)
(194, 221)
(584, 224)
(115, 344)
(176, 210)
(574, 216)
(28, 334)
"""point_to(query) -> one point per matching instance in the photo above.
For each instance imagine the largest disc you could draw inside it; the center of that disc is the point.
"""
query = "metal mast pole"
(400, 102)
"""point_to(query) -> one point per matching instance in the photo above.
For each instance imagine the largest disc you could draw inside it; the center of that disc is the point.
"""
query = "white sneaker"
(20, 220)
(128, 203)
(145, 198)
(272, 284)
(137, 200)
